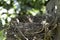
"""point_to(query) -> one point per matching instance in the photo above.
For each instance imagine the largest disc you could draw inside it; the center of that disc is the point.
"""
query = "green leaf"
(43, 9)
(2, 35)
(34, 12)
(13, 16)
(3, 21)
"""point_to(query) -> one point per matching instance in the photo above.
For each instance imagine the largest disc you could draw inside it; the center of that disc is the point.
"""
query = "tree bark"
(57, 37)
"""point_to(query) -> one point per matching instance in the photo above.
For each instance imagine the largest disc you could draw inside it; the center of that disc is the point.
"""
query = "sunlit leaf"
(43, 1)
(2, 35)
(9, 19)
(43, 9)
(11, 11)
(7, 1)
(34, 0)
(3, 11)
(34, 12)
(3, 22)
(13, 16)
(4, 16)
(1, 7)
(18, 10)
(46, 0)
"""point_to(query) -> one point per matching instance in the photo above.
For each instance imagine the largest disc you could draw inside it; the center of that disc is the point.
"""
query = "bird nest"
(44, 27)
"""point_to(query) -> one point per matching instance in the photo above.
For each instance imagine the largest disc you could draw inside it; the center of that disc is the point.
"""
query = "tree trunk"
(58, 14)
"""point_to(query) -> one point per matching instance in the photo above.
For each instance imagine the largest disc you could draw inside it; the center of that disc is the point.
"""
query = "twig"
(20, 31)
